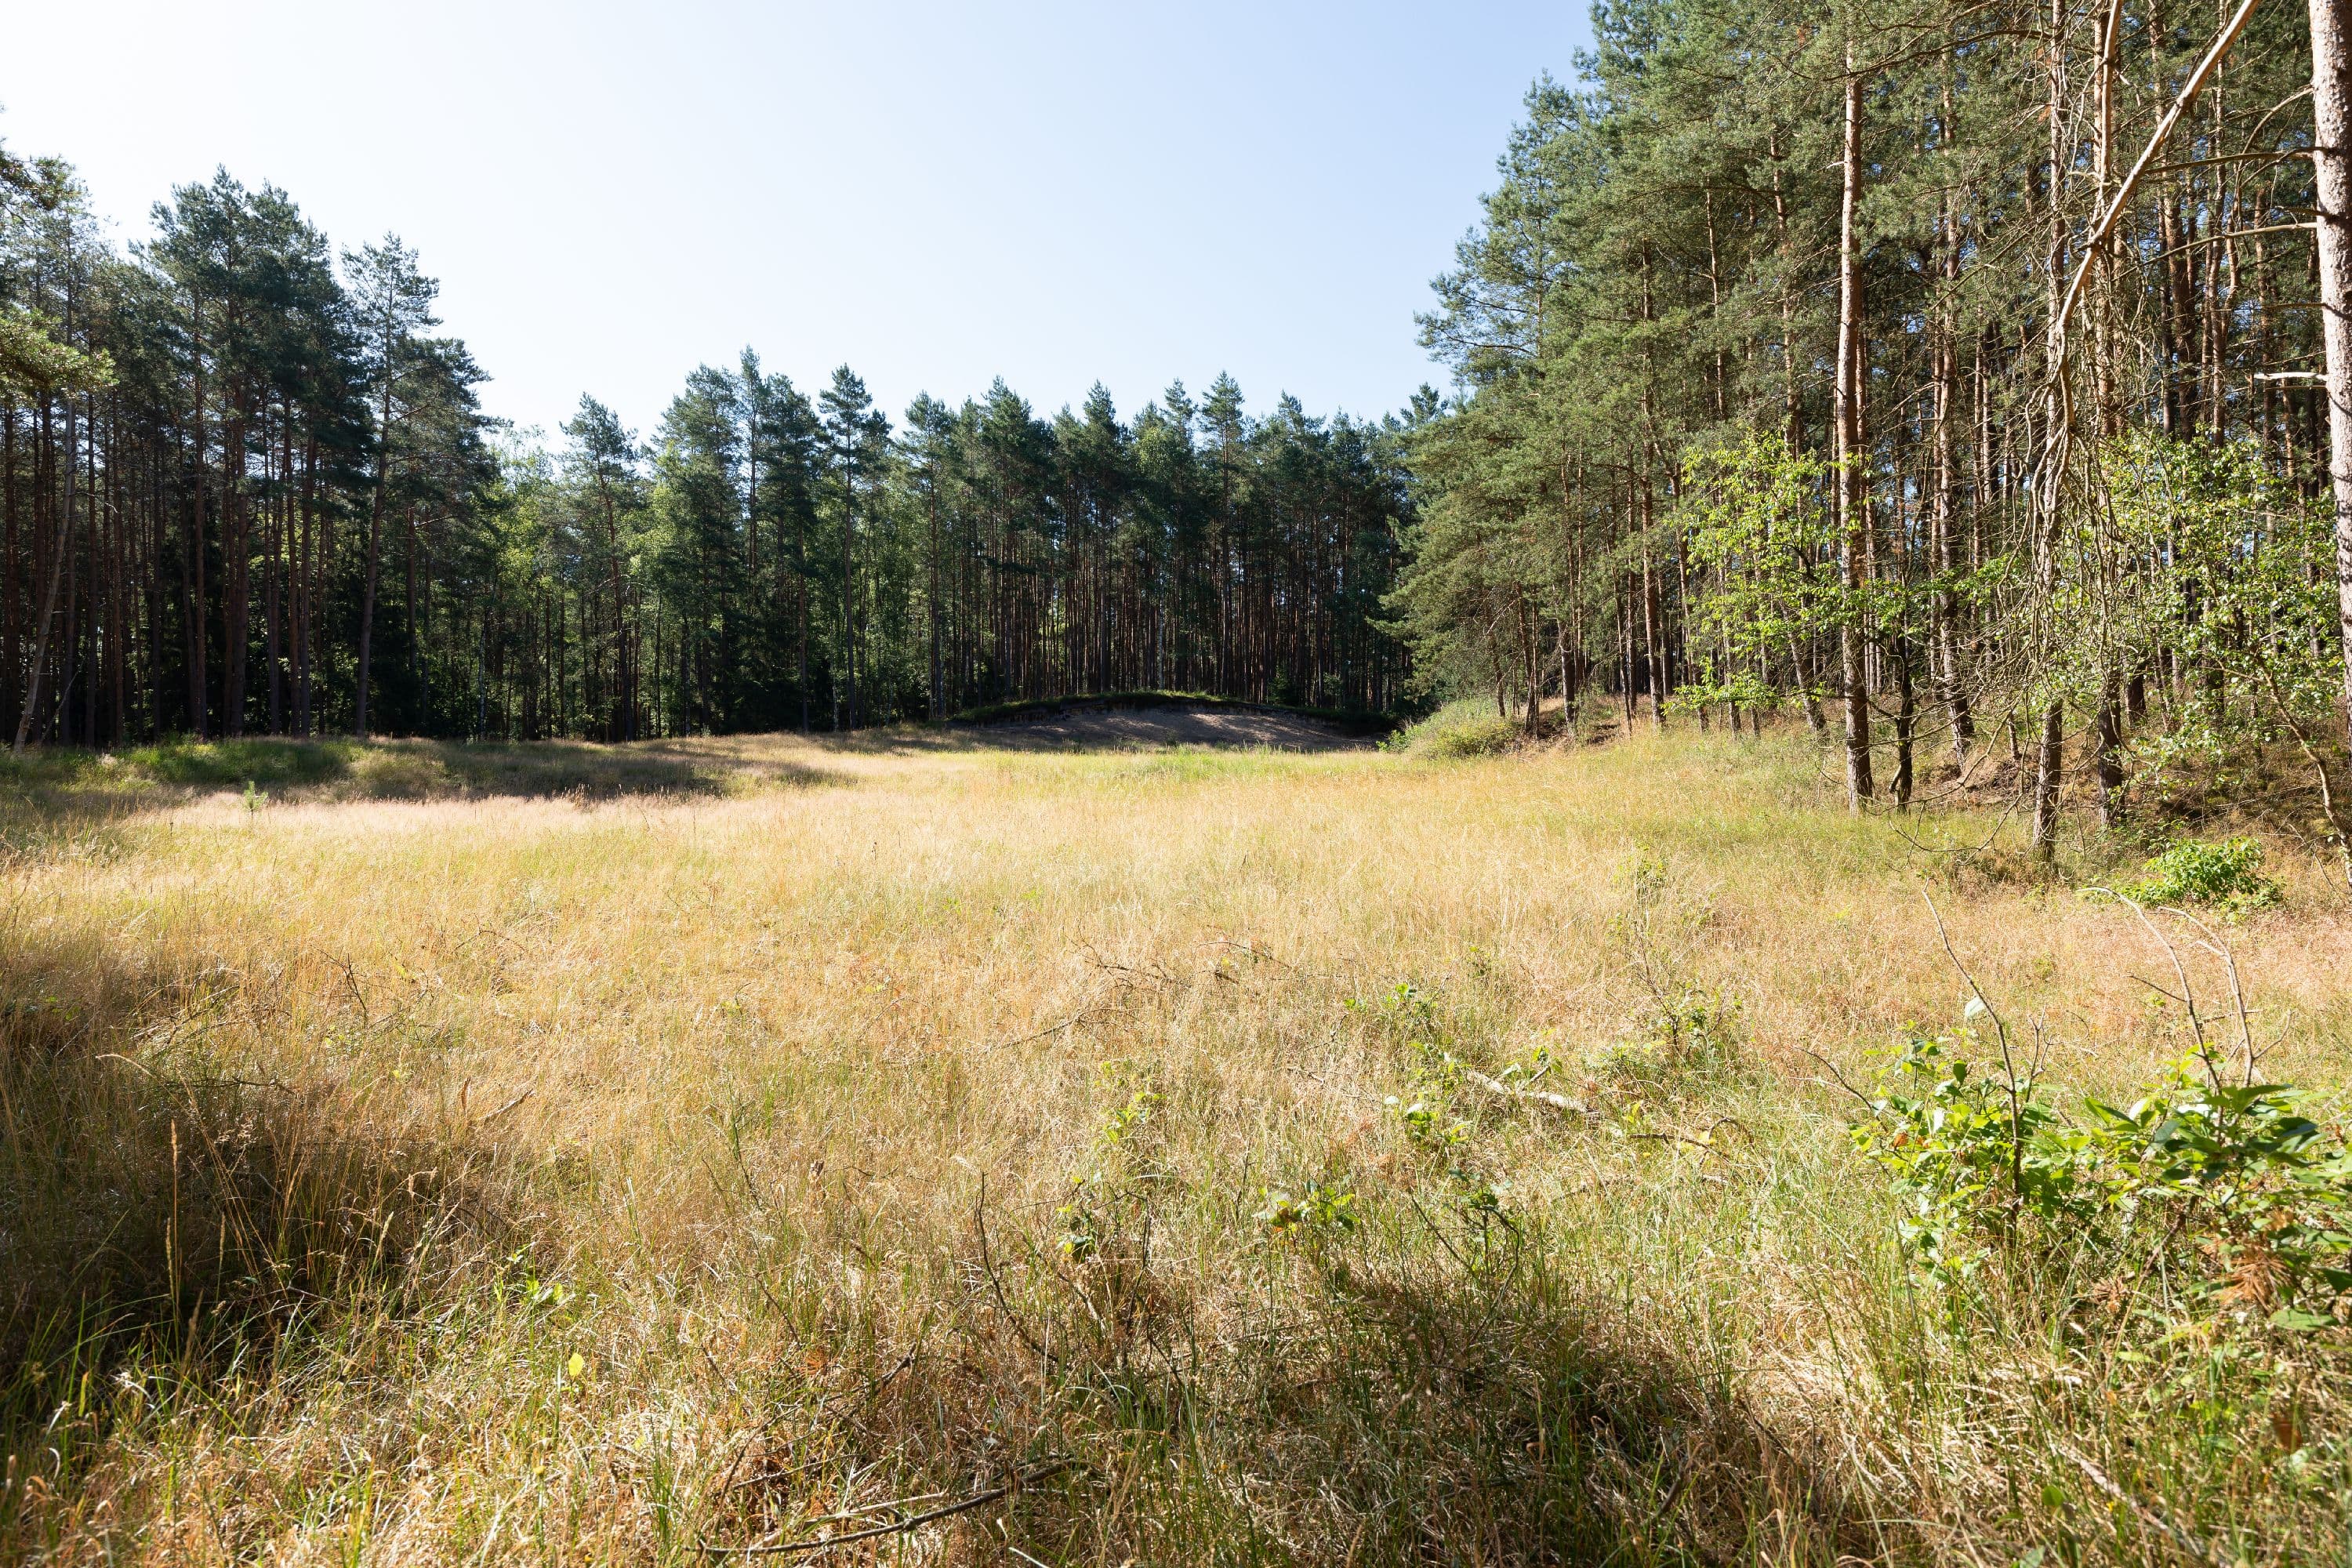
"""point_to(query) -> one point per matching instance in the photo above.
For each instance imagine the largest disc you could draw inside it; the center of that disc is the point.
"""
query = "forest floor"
(575, 1154)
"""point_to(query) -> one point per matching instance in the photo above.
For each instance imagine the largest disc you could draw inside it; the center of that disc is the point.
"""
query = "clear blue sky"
(936, 194)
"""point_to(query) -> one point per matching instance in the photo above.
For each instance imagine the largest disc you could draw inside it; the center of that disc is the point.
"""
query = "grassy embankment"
(492, 1155)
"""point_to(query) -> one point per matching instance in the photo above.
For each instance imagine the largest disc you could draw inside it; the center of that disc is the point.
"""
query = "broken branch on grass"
(996, 1287)
(1541, 1095)
(1978, 991)
(1702, 1141)
(978, 1499)
(2148, 1514)
(268, 1083)
(1243, 947)
(484, 1121)
(1071, 1022)
(1334, 1087)
(1842, 1082)
(766, 1477)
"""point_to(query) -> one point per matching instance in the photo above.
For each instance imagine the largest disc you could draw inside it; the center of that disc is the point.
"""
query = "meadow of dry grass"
(565, 1155)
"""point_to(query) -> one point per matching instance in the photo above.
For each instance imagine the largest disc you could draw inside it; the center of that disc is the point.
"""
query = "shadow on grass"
(62, 783)
(580, 770)
(167, 1227)
(1407, 1410)
(1518, 1420)
(49, 788)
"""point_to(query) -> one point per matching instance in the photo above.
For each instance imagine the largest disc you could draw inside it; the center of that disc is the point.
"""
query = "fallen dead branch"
(897, 1527)
(1498, 1087)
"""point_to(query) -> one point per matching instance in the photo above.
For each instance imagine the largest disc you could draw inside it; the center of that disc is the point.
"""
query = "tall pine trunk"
(1853, 480)
(61, 547)
(375, 549)
(1944, 654)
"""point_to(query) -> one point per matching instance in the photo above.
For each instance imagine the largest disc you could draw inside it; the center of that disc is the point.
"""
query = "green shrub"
(2227, 875)
(1107, 1205)
(2228, 1195)
(1465, 728)
(1486, 738)
(1323, 1207)
(1689, 1036)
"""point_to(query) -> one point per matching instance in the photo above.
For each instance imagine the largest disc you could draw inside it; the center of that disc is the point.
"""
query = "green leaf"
(2295, 1320)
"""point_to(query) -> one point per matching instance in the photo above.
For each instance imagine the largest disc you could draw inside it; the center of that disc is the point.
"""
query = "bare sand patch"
(1080, 729)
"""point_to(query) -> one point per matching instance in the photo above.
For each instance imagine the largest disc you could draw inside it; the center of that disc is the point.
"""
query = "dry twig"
(978, 1499)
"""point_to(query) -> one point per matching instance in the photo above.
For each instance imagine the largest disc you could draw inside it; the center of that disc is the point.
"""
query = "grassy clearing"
(583, 1165)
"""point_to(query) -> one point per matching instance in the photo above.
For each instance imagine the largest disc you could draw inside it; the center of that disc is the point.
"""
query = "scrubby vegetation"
(1463, 728)
(2228, 876)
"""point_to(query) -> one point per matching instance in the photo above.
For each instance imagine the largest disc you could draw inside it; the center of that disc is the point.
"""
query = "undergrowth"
(2228, 876)
(1466, 728)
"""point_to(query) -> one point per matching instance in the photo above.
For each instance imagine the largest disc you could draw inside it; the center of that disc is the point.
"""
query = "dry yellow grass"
(603, 1177)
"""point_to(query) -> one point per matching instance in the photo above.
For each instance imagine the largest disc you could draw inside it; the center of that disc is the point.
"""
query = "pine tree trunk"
(8, 619)
(936, 698)
(236, 569)
(1853, 482)
(2107, 761)
(196, 628)
(49, 599)
(1943, 605)
(849, 600)
(375, 550)
(1906, 716)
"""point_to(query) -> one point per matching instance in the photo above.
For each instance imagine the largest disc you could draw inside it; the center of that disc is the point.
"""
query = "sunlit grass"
(902, 1118)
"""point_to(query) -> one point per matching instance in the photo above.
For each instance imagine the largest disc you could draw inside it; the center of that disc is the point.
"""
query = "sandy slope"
(1120, 727)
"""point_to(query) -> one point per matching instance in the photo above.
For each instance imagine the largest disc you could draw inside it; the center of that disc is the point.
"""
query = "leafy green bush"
(1688, 1036)
(1484, 738)
(1465, 728)
(2230, 1195)
(1106, 1204)
(2228, 876)
(1323, 1207)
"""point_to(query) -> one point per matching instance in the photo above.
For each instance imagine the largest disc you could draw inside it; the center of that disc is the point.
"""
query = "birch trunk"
(2331, 93)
